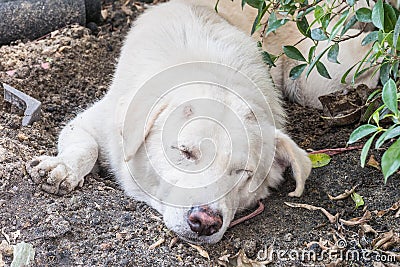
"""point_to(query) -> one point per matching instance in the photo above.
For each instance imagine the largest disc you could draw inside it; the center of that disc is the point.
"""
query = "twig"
(334, 151)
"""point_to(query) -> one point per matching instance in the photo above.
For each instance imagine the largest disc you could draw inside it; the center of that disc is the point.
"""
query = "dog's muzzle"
(204, 221)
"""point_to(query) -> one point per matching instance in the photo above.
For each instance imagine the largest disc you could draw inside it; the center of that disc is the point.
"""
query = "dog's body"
(173, 34)
(302, 90)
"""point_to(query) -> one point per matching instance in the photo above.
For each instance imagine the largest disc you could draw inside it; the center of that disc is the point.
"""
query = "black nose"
(204, 221)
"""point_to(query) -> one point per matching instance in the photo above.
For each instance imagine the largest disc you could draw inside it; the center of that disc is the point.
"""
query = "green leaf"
(365, 149)
(314, 62)
(297, 71)
(318, 12)
(322, 70)
(253, 3)
(319, 159)
(393, 133)
(325, 20)
(311, 53)
(267, 58)
(390, 162)
(389, 96)
(349, 24)
(395, 69)
(389, 17)
(351, 2)
(333, 53)
(384, 74)
(371, 37)
(364, 15)
(343, 79)
(261, 9)
(304, 27)
(390, 133)
(396, 31)
(338, 24)
(361, 132)
(318, 35)
(378, 14)
(358, 200)
(275, 25)
(375, 117)
(293, 53)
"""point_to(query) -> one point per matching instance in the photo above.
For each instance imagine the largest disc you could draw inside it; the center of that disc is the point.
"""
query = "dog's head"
(200, 160)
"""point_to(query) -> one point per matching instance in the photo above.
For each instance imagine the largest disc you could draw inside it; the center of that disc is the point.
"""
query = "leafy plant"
(330, 21)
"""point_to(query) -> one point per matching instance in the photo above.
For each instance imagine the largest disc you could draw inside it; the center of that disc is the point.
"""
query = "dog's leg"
(77, 155)
(289, 154)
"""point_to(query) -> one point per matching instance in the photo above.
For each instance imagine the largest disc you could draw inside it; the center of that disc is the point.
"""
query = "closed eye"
(186, 152)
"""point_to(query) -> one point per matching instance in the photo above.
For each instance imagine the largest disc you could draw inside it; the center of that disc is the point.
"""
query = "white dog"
(192, 124)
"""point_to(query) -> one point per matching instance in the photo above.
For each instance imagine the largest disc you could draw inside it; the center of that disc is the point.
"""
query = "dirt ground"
(98, 225)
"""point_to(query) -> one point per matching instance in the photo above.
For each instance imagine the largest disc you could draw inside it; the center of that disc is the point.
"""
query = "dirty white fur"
(166, 35)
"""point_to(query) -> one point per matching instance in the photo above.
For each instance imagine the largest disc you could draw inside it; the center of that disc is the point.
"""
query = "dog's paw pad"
(53, 175)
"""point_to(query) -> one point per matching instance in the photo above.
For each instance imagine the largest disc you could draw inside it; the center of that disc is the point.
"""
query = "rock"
(237, 243)
(288, 237)
(250, 247)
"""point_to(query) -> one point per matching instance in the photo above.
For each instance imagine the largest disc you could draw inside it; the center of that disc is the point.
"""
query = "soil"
(97, 225)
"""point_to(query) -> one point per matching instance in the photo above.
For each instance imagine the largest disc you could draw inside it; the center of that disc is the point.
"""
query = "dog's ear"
(135, 125)
(289, 154)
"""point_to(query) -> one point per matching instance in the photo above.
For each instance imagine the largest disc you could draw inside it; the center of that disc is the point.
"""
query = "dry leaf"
(394, 207)
(104, 14)
(173, 242)
(127, 10)
(382, 239)
(241, 260)
(201, 251)
(344, 195)
(373, 163)
(6, 248)
(368, 229)
(331, 218)
(355, 221)
(156, 244)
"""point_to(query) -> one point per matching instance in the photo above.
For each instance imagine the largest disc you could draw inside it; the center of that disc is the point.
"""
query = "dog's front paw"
(53, 174)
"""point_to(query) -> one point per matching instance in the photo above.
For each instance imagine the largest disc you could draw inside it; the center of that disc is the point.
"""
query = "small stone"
(130, 206)
(105, 246)
(288, 237)
(250, 247)
(237, 243)
(22, 137)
